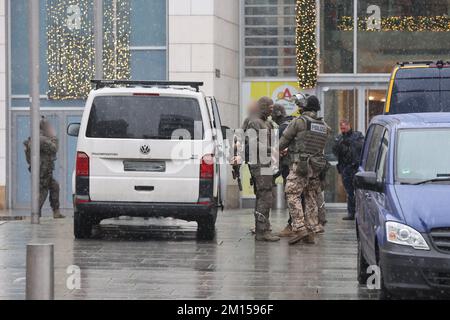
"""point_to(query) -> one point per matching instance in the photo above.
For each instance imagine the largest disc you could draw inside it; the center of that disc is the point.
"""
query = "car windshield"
(423, 155)
(145, 117)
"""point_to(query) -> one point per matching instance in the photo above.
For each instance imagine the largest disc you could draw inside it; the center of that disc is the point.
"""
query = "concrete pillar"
(204, 46)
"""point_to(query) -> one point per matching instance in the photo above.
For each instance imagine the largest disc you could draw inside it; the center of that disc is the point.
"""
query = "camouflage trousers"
(47, 185)
(310, 188)
(263, 185)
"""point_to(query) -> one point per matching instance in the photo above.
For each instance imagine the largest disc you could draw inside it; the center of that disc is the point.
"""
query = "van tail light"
(207, 167)
(82, 179)
(206, 192)
(82, 166)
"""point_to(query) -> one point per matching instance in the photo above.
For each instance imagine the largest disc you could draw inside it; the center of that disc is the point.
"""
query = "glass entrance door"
(339, 103)
(356, 103)
(375, 100)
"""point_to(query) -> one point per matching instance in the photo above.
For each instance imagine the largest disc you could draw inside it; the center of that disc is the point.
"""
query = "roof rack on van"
(439, 62)
(415, 62)
(133, 83)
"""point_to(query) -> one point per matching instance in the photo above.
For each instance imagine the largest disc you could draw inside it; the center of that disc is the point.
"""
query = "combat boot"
(299, 236)
(286, 232)
(266, 236)
(57, 215)
(319, 229)
(310, 239)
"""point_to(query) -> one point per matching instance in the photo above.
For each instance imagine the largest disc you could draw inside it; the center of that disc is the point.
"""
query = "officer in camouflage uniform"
(279, 116)
(305, 138)
(49, 149)
(260, 171)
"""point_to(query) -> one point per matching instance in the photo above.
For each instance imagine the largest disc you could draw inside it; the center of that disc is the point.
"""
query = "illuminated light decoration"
(400, 23)
(116, 40)
(71, 50)
(306, 46)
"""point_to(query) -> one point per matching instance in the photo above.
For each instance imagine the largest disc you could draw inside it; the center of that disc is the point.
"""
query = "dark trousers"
(348, 175)
(263, 185)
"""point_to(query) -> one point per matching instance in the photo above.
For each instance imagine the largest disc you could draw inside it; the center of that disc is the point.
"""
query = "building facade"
(241, 49)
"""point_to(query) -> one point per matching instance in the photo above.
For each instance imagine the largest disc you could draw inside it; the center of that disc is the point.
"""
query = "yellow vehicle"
(421, 86)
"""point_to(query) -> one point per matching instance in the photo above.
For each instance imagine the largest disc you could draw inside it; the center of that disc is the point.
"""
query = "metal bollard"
(40, 272)
(279, 200)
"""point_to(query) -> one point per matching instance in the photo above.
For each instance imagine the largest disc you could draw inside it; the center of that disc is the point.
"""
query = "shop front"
(357, 43)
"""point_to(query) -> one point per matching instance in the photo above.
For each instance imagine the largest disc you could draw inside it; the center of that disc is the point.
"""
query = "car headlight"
(406, 236)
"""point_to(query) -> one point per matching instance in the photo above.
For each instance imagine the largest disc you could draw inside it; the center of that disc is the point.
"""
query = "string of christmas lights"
(71, 50)
(116, 40)
(400, 23)
(305, 41)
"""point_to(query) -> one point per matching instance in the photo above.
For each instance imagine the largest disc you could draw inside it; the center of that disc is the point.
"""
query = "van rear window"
(145, 117)
(421, 90)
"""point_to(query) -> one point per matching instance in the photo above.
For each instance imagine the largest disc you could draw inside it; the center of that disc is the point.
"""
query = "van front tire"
(82, 226)
(206, 229)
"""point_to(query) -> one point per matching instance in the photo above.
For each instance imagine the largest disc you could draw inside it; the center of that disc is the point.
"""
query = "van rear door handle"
(144, 188)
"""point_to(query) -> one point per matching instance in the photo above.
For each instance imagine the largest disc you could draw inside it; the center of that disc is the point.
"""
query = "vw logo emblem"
(145, 150)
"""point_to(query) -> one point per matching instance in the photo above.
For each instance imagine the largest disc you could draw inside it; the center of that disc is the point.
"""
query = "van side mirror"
(224, 131)
(368, 181)
(73, 129)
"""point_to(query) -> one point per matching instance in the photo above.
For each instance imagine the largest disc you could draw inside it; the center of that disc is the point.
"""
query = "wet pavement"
(162, 259)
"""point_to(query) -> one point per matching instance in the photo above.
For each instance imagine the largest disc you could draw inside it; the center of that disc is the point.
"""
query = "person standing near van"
(306, 138)
(260, 171)
(47, 182)
(347, 148)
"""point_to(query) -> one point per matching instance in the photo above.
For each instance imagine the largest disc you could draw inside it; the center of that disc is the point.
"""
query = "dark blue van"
(403, 203)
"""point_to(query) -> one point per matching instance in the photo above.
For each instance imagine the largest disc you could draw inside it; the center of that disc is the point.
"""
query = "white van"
(149, 149)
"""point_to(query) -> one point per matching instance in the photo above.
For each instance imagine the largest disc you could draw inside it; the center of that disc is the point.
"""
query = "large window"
(388, 31)
(401, 30)
(269, 38)
(336, 42)
(134, 37)
(148, 39)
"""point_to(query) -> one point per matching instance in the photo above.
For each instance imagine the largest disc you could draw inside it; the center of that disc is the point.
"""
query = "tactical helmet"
(312, 104)
(300, 100)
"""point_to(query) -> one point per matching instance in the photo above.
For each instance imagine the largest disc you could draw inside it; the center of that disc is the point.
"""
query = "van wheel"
(362, 266)
(82, 226)
(207, 227)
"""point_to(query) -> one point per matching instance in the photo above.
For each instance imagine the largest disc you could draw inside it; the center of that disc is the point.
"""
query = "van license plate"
(144, 166)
